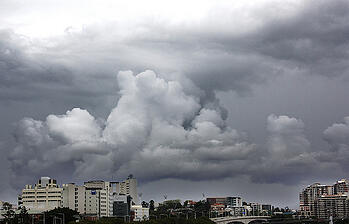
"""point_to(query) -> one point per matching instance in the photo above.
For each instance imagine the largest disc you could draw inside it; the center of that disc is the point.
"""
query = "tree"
(145, 204)
(9, 214)
(23, 216)
(202, 207)
(151, 205)
(60, 213)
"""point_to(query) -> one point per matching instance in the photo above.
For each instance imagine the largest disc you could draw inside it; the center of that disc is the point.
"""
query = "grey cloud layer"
(159, 131)
(144, 134)
(172, 123)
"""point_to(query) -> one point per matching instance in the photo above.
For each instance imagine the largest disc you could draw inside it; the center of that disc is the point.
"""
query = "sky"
(222, 98)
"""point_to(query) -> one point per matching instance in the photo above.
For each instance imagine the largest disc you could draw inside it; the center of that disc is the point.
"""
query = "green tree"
(9, 215)
(151, 205)
(60, 213)
(23, 216)
(202, 207)
(145, 204)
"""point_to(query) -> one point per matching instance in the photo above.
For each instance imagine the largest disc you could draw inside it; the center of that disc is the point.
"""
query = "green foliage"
(202, 207)
(23, 216)
(58, 213)
(151, 205)
(9, 215)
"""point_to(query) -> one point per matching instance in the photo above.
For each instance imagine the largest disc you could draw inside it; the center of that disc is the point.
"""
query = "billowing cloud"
(337, 136)
(171, 120)
(155, 131)
(288, 152)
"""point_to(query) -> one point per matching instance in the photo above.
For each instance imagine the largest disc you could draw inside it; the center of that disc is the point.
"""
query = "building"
(120, 205)
(336, 206)
(213, 201)
(238, 211)
(97, 198)
(341, 187)
(139, 213)
(43, 196)
(128, 187)
(234, 201)
(256, 208)
(93, 199)
(308, 196)
(266, 210)
(217, 209)
(73, 197)
(316, 198)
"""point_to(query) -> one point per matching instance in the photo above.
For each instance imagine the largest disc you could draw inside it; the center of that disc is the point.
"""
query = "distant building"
(128, 187)
(73, 197)
(139, 213)
(120, 205)
(233, 201)
(97, 198)
(336, 206)
(308, 196)
(341, 187)
(94, 199)
(43, 196)
(213, 201)
(316, 198)
(266, 210)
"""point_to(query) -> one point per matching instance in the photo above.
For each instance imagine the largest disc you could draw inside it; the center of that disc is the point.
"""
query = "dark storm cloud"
(171, 118)
(316, 40)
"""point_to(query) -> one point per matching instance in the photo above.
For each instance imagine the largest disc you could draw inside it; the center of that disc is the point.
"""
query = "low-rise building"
(233, 201)
(139, 213)
(120, 205)
(43, 196)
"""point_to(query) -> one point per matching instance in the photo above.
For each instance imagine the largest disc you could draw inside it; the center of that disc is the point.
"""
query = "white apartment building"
(43, 196)
(92, 199)
(140, 213)
(128, 187)
(97, 198)
(73, 197)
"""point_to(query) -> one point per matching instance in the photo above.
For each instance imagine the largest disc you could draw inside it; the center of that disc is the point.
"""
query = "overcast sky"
(225, 98)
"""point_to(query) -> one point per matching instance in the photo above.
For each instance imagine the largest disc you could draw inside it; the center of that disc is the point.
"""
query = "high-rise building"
(128, 187)
(336, 206)
(97, 198)
(308, 196)
(341, 187)
(43, 196)
(73, 197)
(120, 205)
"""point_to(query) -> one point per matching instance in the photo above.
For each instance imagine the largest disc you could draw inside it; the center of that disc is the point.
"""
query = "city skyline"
(191, 97)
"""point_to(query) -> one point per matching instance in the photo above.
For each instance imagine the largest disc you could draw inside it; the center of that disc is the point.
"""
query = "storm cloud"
(168, 95)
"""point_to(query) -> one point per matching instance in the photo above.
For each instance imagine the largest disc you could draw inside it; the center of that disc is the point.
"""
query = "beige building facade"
(43, 196)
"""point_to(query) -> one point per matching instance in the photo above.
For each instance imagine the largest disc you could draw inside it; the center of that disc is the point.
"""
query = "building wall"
(128, 187)
(97, 198)
(140, 213)
(336, 206)
(73, 197)
(308, 196)
(44, 196)
(234, 201)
